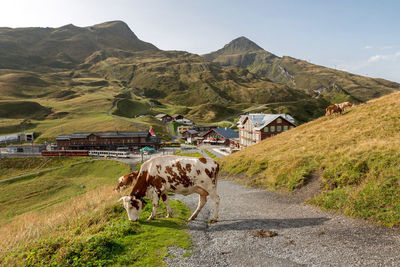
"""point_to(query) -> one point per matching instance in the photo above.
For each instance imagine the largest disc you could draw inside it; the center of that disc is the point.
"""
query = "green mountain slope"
(80, 78)
(333, 84)
(64, 47)
(356, 157)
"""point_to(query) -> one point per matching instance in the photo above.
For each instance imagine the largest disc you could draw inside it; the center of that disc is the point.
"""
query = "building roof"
(260, 120)
(161, 115)
(192, 131)
(227, 133)
(102, 135)
(11, 137)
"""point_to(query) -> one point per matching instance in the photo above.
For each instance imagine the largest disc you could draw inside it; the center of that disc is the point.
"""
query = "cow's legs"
(156, 199)
(166, 201)
(215, 198)
(202, 201)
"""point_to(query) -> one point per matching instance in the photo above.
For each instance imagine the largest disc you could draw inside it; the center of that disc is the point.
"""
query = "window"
(285, 128)
(291, 127)
(266, 129)
(279, 128)
(279, 120)
(272, 129)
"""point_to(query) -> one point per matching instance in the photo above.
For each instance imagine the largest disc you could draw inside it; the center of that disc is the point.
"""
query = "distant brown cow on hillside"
(345, 105)
(333, 109)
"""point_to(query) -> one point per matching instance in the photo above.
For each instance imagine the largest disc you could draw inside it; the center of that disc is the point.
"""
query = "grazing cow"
(126, 180)
(333, 109)
(182, 175)
(345, 105)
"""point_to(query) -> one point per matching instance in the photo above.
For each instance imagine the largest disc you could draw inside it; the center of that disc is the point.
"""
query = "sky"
(359, 36)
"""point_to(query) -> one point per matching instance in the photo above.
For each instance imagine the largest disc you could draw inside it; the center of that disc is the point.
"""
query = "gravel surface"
(306, 236)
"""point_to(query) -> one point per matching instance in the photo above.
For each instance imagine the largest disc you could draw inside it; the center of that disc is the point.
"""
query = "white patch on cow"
(120, 179)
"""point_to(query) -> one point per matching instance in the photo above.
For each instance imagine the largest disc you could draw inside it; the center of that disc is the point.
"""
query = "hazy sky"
(357, 36)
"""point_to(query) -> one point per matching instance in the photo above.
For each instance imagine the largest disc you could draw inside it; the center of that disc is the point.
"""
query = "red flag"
(151, 132)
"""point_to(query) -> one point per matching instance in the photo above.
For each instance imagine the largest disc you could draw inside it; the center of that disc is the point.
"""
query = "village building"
(257, 126)
(220, 136)
(164, 118)
(17, 138)
(177, 117)
(107, 141)
(183, 128)
(26, 149)
(204, 128)
(190, 135)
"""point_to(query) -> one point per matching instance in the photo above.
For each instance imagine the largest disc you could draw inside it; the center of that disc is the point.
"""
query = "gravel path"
(306, 236)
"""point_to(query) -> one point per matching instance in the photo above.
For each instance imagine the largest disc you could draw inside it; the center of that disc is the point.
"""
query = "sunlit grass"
(358, 155)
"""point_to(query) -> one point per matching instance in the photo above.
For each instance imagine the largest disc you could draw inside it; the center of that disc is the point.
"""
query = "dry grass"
(352, 151)
(37, 224)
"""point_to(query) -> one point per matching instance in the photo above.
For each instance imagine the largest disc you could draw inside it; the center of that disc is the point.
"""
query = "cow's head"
(133, 207)
(126, 180)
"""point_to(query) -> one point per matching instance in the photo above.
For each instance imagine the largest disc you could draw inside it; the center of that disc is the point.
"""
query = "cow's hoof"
(213, 221)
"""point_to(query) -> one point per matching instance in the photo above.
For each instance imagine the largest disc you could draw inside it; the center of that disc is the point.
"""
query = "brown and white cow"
(345, 105)
(126, 180)
(182, 175)
(333, 109)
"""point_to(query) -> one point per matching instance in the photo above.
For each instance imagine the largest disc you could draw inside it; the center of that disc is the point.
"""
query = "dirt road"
(306, 236)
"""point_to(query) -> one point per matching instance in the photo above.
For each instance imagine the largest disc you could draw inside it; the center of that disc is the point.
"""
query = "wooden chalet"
(164, 118)
(257, 126)
(220, 136)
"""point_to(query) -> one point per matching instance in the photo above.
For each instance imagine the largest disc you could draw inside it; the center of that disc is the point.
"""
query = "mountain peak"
(241, 44)
(239, 52)
(116, 26)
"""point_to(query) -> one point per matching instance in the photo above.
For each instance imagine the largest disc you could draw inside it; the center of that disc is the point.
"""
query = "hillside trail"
(306, 236)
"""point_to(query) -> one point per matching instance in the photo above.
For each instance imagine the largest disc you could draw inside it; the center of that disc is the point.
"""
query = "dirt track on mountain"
(306, 236)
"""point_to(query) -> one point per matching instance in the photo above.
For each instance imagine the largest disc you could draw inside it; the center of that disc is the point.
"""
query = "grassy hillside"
(48, 188)
(66, 46)
(72, 79)
(10, 167)
(70, 217)
(23, 110)
(357, 156)
(335, 85)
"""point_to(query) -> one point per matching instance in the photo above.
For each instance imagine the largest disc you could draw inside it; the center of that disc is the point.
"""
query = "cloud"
(377, 58)
(368, 47)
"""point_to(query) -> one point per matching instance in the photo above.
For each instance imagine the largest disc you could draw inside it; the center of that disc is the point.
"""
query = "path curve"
(307, 236)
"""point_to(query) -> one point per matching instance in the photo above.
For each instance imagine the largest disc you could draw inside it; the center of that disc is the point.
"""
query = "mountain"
(79, 77)
(334, 84)
(64, 47)
(349, 163)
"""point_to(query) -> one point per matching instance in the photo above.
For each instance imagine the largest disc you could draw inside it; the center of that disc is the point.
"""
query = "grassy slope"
(45, 189)
(106, 237)
(10, 167)
(76, 221)
(358, 155)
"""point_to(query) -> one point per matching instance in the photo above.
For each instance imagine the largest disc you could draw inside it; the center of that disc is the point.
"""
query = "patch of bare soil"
(264, 233)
